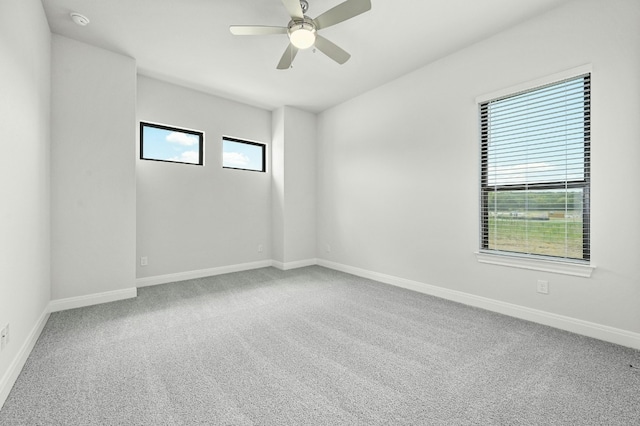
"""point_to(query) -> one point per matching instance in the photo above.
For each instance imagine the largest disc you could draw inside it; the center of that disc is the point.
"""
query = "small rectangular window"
(243, 155)
(535, 171)
(171, 144)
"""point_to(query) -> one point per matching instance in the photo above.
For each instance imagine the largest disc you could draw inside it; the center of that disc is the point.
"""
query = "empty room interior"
(320, 212)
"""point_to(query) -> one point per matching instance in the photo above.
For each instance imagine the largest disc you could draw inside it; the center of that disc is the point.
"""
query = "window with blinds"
(535, 171)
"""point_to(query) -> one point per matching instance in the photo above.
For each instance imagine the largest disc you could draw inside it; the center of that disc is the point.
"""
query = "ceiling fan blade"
(331, 50)
(342, 12)
(256, 30)
(287, 57)
(294, 8)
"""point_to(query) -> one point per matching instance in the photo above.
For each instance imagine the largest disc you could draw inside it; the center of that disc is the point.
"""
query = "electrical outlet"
(144, 261)
(259, 248)
(328, 248)
(543, 287)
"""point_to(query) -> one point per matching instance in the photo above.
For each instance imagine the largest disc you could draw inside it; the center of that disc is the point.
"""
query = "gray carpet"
(314, 346)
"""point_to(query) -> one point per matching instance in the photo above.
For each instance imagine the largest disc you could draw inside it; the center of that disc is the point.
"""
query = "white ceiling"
(188, 42)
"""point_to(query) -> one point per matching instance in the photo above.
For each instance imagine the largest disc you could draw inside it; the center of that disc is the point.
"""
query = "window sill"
(577, 269)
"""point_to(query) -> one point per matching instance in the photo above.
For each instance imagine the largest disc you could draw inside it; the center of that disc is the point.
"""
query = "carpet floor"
(313, 346)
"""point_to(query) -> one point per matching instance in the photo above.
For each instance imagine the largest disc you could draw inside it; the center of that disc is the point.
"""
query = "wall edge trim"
(201, 273)
(16, 365)
(573, 325)
(285, 266)
(91, 299)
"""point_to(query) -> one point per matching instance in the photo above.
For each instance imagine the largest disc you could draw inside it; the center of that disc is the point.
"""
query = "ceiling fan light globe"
(302, 35)
(303, 39)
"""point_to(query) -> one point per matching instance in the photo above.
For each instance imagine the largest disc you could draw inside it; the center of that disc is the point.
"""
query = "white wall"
(294, 187)
(24, 176)
(398, 166)
(192, 218)
(278, 185)
(92, 170)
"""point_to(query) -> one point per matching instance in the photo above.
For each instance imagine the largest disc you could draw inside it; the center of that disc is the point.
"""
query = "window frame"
(199, 134)
(262, 145)
(521, 259)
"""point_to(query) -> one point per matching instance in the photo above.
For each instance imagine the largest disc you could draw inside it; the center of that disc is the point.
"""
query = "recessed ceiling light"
(79, 19)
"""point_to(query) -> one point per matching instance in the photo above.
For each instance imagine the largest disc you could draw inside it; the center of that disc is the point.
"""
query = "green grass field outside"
(552, 237)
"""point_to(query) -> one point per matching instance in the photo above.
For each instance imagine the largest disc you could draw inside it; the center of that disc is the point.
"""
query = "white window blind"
(535, 171)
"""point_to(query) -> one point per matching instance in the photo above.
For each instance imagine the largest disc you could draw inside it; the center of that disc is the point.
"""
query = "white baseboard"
(12, 373)
(92, 299)
(293, 265)
(200, 273)
(585, 328)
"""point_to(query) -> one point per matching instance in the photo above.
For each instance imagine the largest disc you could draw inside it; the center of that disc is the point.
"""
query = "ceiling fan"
(303, 31)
